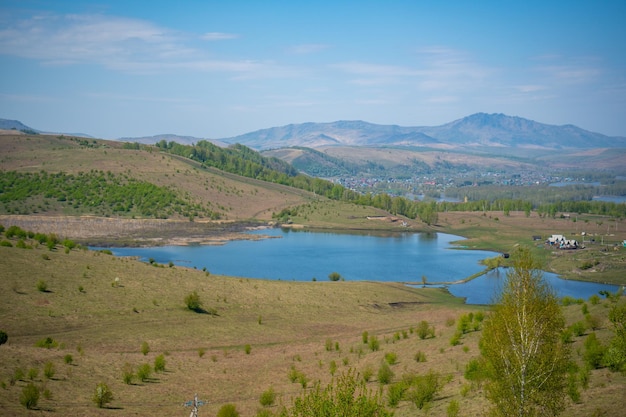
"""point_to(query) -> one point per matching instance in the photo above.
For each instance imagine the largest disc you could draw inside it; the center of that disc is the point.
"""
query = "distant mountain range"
(7, 124)
(477, 130)
(480, 129)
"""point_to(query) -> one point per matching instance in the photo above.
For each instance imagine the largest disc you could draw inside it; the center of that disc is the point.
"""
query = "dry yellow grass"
(286, 324)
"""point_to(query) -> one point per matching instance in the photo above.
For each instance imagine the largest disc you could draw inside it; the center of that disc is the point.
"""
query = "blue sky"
(214, 69)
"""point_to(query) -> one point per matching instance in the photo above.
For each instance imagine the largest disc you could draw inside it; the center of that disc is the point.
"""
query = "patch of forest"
(95, 192)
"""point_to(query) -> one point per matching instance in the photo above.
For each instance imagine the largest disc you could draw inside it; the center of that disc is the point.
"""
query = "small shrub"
(159, 363)
(395, 392)
(228, 410)
(143, 372)
(68, 359)
(48, 370)
(268, 397)
(333, 367)
(420, 356)
(30, 396)
(42, 286)
(474, 371)
(201, 352)
(334, 276)
(145, 348)
(453, 409)
(364, 336)
(578, 328)
(424, 330)
(328, 345)
(373, 343)
(45, 257)
(385, 374)
(102, 395)
(193, 303)
(247, 349)
(303, 380)
(18, 375)
(6, 243)
(455, 340)
(594, 351)
(33, 373)
(127, 373)
(572, 386)
(391, 358)
(293, 374)
(3, 337)
(368, 372)
(594, 299)
(424, 388)
(47, 394)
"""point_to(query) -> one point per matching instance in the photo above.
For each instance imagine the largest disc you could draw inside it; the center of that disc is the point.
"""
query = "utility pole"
(194, 404)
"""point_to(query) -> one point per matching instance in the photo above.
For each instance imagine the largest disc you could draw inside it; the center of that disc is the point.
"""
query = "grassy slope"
(285, 323)
(230, 195)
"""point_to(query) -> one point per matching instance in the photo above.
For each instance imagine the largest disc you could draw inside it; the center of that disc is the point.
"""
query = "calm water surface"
(304, 256)
(483, 289)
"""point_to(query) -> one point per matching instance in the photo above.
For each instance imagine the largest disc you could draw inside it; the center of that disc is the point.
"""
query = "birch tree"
(521, 345)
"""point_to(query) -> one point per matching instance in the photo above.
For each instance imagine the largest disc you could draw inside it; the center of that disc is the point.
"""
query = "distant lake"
(611, 198)
(304, 255)
(482, 289)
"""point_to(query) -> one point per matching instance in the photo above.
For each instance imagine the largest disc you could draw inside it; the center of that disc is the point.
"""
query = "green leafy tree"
(526, 359)
(102, 395)
(193, 303)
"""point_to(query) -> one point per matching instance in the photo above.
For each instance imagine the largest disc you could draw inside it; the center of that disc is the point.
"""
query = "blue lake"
(305, 255)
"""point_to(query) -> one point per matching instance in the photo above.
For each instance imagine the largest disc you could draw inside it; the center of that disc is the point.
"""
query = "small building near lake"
(562, 242)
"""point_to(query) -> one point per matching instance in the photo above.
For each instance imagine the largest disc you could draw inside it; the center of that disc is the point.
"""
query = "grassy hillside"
(99, 310)
(228, 196)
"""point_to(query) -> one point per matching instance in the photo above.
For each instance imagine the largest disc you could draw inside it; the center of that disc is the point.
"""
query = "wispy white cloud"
(442, 68)
(375, 70)
(566, 69)
(218, 36)
(433, 68)
(118, 43)
(309, 48)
